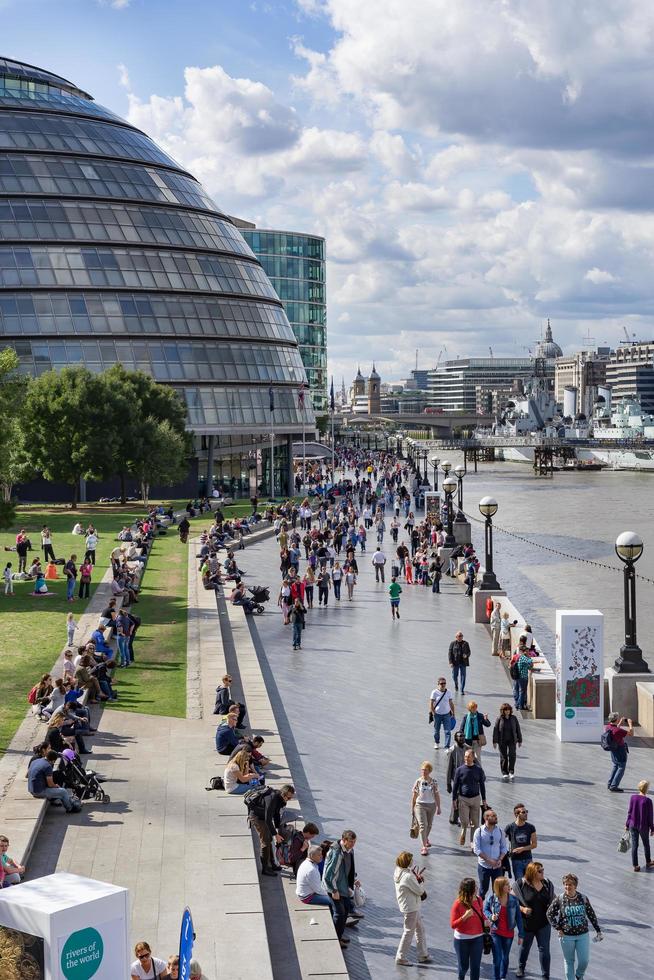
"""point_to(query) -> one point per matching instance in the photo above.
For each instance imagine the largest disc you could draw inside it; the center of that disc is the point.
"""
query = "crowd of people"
(510, 896)
(86, 673)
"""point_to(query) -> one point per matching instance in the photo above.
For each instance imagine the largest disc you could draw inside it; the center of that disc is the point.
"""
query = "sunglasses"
(142, 956)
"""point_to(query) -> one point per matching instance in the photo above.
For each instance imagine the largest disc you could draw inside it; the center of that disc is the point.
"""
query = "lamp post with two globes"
(449, 487)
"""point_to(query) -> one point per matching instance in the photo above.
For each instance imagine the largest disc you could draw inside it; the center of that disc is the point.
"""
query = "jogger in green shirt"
(394, 591)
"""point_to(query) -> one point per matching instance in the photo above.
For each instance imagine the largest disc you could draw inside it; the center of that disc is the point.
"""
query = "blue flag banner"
(186, 938)
(271, 395)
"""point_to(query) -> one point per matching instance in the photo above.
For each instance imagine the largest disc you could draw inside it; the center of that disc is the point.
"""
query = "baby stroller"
(260, 594)
(84, 783)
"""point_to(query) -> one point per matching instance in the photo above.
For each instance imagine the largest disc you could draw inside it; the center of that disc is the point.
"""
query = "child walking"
(71, 626)
(9, 582)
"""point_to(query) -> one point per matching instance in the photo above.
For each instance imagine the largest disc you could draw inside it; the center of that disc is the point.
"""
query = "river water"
(576, 513)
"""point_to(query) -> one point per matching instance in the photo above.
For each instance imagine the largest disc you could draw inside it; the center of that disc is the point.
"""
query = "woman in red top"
(467, 920)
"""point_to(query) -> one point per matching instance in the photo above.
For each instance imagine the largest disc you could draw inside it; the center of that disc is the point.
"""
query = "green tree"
(135, 397)
(157, 455)
(68, 427)
(14, 463)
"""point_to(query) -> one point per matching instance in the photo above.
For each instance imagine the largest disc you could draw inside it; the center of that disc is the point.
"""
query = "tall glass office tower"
(295, 265)
(112, 252)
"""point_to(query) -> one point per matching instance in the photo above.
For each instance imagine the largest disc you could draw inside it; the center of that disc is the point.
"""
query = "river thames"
(576, 513)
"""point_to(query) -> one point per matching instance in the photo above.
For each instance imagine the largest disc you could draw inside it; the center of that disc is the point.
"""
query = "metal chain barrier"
(555, 551)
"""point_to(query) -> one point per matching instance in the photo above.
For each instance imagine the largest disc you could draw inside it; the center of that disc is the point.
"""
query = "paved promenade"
(352, 709)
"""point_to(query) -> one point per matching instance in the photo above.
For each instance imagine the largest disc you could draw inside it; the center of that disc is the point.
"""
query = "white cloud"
(123, 76)
(599, 276)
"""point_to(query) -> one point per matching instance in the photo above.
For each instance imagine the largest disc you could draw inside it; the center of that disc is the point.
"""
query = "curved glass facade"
(295, 264)
(111, 252)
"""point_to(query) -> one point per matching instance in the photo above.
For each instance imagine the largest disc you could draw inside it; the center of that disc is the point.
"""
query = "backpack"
(31, 697)
(607, 741)
(216, 782)
(254, 798)
(514, 672)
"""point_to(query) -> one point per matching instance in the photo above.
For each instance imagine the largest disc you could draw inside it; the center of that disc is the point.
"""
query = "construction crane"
(628, 339)
(490, 351)
(440, 354)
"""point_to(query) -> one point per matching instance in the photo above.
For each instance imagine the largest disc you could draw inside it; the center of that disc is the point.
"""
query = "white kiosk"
(64, 927)
(579, 675)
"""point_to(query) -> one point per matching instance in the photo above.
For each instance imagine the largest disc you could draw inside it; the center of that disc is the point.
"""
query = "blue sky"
(475, 167)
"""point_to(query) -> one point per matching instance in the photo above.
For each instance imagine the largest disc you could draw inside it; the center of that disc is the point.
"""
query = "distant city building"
(295, 264)
(418, 379)
(456, 385)
(548, 348)
(630, 371)
(374, 393)
(583, 371)
(493, 401)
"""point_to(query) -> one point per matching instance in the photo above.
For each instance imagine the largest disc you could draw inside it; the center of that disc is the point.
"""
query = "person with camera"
(614, 736)
(410, 892)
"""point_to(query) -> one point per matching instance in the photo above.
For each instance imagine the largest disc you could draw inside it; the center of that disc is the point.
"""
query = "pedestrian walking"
(458, 656)
(441, 713)
(324, 585)
(284, 600)
(436, 574)
(490, 846)
(507, 737)
(410, 893)
(495, 621)
(394, 591)
(378, 562)
(503, 910)
(469, 923)
(472, 726)
(535, 893)
(468, 794)
(522, 839)
(640, 824)
(522, 665)
(8, 580)
(309, 583)
(613, 740)
(337, 580)
(570, 914)
(425, 803)
(297, 617)
(350, 581)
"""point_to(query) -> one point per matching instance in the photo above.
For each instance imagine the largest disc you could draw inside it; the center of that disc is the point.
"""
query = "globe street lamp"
(449, 486)
(488, 507)
(435, 463)
(629, 548)
(460, 473)
(446, 466)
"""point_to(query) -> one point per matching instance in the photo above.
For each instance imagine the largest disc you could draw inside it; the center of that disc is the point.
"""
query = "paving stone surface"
(351, 707)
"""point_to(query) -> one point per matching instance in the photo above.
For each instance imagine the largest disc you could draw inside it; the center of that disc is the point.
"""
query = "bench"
(239, 916)
(317, 948)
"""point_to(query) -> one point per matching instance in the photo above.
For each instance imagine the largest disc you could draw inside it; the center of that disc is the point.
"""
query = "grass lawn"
(155, 684)
(33, 629)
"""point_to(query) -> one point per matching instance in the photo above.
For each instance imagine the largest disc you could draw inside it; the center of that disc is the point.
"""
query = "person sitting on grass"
(40, 585)
(84, 679)
(101, 646)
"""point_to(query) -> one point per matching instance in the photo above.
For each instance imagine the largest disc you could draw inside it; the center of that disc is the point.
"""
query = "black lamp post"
(449, 486)
(488, 507)
(460, 473)
(629, 548)
(435, 463)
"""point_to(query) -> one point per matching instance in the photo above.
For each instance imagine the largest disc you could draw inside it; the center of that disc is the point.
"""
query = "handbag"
(415, 827)
(624, 843)
(482, 739)
(359, 896)
(488, 942)
(452, 722)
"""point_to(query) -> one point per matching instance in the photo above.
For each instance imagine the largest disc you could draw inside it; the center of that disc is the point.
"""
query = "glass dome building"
(111, 252)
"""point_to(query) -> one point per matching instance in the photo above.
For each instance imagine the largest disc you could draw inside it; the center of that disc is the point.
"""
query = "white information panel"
(433, 504)
(64, 927)
(579, 675)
